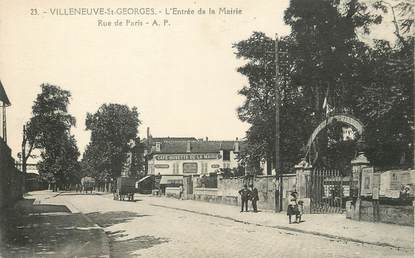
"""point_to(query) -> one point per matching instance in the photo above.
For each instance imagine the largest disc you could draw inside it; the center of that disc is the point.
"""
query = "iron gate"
(328, 190)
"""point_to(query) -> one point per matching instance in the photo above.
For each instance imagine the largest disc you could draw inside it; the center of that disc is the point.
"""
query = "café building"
(175, 158)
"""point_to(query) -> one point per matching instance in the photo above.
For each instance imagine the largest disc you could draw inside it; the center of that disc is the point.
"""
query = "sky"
(181, 77)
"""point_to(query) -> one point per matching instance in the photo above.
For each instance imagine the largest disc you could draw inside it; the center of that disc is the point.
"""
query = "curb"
(104, 238)
(285, 228)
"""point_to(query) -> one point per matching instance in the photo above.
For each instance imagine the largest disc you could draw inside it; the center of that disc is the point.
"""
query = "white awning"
(142, 179)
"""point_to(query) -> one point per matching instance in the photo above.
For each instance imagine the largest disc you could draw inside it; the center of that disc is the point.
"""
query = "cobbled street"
(145, 229)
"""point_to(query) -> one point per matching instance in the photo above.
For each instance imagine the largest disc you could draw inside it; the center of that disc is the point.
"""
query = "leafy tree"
(62, 166)
(49, 131)
(234, 172)
(327, 49)
(112, 127)
(402, 12)
(387, 100)
(326, 59)
(137, 164)
(328, 55)
(258, 108)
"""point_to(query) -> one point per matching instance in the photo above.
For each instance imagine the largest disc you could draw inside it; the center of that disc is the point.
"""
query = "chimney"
(236, 145)
(188, 147)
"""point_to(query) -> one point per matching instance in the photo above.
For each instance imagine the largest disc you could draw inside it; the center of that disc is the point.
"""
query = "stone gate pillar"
(353, 206)
(357, 165)
(303, 174)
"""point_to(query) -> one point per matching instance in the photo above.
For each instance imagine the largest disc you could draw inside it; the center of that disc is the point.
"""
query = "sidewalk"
(42, 226)
(334, 226)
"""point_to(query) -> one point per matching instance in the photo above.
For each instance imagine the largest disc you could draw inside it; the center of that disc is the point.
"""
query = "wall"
(173, 192)
(11, 179)
(403, 215)
(394, 214)
(211, 195)
(386, 189)
(227, 191)
(229, 186)
(205, 191)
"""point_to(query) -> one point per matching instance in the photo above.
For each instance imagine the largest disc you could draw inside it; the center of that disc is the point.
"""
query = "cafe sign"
(161, 166)
(187, 156)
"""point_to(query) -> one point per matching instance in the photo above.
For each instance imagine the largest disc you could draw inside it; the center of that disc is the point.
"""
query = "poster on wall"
(346, 190)
(367, 180)
(392, 181)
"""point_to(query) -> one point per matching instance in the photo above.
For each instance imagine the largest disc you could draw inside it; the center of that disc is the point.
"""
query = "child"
(292, 207)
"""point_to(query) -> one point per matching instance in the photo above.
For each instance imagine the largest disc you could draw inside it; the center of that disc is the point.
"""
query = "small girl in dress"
(293, 207)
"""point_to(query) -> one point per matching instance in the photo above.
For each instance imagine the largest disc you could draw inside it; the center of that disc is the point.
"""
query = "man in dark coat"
(254, 197)
(245, 193)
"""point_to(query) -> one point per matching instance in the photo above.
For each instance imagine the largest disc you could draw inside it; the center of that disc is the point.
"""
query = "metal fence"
(328, 191)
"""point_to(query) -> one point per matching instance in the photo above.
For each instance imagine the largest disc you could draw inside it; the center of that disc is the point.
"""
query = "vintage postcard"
(207, 128)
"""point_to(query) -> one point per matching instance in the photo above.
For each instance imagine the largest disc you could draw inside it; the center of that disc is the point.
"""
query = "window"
(226, 155)
(158, 147)
(204, 167)
(176, 168)
(190, 167)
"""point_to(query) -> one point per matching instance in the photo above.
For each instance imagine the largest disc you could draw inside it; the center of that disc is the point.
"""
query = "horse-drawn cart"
(87, 184)
(125, 187)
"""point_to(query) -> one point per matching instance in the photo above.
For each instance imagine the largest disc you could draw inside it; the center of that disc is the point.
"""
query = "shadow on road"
(108, 219)
(119, 246)
(84, 194)
(47, 230)
(31, 229)
(127, 247)
(48, 208)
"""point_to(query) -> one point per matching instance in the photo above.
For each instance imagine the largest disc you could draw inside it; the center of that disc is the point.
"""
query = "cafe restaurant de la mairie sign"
(171, 156)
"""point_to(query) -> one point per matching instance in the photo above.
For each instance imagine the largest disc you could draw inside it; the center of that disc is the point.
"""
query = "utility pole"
(278, 170)
(24, 150)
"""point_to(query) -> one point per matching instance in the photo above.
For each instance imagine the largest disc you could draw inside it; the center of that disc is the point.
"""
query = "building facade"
(188, 156)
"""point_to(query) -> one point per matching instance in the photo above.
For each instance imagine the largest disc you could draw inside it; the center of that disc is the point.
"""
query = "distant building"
(188, 156)
(4, 102)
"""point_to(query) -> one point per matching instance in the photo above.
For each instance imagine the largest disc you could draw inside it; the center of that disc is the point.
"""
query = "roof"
(172, 139)
(3, 96)
(196, 146)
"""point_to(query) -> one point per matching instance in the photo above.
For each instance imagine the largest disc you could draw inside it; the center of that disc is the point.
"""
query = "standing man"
(245, 193)
(254, 197)
(181, 189)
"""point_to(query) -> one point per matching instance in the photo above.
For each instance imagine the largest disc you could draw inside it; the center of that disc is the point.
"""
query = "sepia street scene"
(207, 128)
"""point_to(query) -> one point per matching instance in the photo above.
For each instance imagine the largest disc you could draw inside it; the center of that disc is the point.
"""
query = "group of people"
(295, 207)
(249, 194)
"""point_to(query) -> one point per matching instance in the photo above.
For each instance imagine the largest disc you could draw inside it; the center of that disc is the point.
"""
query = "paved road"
(42, 226)
(141, 229)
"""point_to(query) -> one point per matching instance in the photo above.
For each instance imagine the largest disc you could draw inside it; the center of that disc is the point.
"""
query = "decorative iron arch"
(347, 119)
